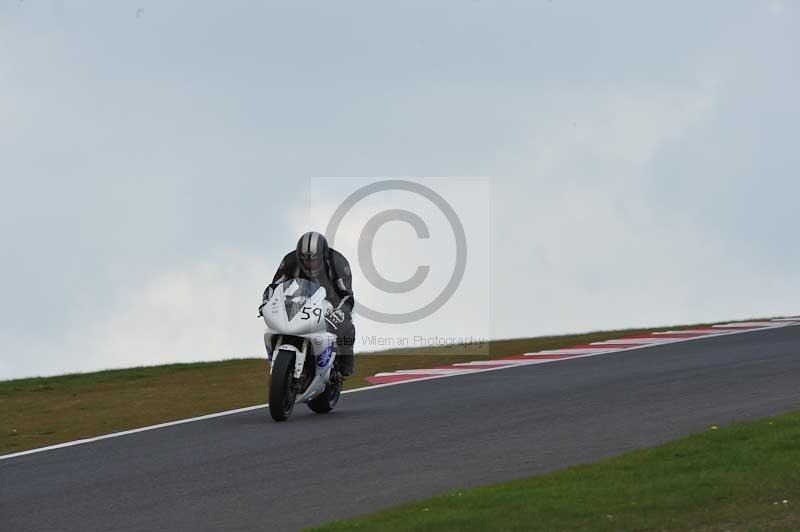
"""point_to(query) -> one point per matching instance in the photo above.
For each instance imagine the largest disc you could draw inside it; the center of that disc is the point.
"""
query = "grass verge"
(44, 411)
(739, 478)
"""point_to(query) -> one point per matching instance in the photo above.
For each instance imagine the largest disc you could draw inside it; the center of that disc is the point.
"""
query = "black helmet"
(312, 248)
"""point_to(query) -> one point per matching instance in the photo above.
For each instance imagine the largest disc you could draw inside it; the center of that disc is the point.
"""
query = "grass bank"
(44, 411)
(744, 477)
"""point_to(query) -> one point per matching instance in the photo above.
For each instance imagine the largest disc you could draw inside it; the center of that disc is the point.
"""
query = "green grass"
(44, 411)
(8, 388)
(732, 479)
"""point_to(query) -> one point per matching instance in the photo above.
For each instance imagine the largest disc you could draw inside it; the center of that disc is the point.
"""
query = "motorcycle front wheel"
(281, 393)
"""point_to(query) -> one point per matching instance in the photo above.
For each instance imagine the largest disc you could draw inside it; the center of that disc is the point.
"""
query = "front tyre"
(281, 392)
(324, 402)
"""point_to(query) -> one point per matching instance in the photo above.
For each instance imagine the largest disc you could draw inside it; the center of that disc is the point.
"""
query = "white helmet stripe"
(314, 240)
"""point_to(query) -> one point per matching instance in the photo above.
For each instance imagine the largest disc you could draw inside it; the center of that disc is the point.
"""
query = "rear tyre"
(281, 393)
(324, 402)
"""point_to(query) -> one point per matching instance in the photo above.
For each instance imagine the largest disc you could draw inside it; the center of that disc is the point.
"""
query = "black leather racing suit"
(336, 278)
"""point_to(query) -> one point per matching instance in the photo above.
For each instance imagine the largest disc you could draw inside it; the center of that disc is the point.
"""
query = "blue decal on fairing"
(324, 358)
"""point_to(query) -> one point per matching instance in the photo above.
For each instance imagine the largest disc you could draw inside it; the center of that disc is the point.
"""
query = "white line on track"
(496, 362)
(695, 331)
(424, 371)
(772, 325)
(571, 351)
(744, 324)
(635, 341)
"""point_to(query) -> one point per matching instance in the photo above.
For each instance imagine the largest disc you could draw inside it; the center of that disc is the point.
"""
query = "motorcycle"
(300, 349)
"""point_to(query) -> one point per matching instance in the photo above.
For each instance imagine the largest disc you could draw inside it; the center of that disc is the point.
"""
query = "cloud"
(776, 7)
(154, 171)
(600, 248)
(198, 312)
(203, 310)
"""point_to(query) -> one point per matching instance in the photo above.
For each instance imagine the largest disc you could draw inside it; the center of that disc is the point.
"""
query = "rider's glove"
(269, 292)
(337, 316)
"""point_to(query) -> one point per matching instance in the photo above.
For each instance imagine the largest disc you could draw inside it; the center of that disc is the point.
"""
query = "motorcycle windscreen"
(296, 293)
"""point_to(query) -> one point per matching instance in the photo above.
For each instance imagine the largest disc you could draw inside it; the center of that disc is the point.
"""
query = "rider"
(315, 261)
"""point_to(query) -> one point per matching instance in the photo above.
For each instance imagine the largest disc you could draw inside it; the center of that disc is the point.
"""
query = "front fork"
(300, 354)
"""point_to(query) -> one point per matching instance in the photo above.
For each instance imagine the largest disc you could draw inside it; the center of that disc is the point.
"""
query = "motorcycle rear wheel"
(281, 392)
(324, 402)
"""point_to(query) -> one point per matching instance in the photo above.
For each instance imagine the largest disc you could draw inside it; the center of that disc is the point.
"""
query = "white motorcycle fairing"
(307, 322)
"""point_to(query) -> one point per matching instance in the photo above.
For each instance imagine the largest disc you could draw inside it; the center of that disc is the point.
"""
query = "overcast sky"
(633, 163)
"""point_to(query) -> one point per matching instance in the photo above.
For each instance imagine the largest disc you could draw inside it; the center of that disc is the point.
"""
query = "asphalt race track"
(398, 443)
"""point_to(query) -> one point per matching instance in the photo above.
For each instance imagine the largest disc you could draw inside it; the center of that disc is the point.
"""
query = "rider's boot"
(344, 364)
